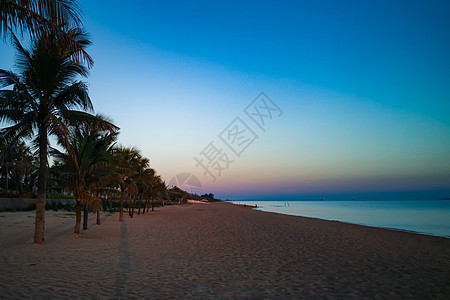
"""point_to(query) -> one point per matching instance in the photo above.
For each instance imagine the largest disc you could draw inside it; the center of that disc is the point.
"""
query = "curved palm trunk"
(39, 223)
(78, 218)
(85, 216)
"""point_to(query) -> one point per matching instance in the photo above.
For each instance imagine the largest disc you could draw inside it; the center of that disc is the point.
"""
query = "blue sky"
(364, 88)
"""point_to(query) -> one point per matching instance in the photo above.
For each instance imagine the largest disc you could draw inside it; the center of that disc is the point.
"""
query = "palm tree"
(83, 162)
(178, 195)
(44, 17)
(143, 181)
(16, 162)
(146, 184)
(7, 156)
(126, 162)
(43, 100)
(159, 188)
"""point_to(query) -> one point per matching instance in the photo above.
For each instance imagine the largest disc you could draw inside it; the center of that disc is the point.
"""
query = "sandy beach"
(218, 251)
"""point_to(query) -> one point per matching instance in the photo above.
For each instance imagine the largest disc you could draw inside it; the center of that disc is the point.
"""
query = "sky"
(278, 99)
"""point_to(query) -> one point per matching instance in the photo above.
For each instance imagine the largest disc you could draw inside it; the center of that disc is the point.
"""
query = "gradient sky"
(364, 87)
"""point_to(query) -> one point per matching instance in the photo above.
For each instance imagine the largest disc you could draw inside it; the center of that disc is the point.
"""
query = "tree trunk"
(78, 218)
(7, 171)
(98, 215)
(39, 223)
(134, 205)
(153, 206)
(129, 206)
(99, 204)
(121, 209)
(141, 204)
(85, 216)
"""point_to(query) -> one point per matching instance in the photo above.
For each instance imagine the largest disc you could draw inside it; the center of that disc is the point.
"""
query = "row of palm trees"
(47, 98)
(93, 167)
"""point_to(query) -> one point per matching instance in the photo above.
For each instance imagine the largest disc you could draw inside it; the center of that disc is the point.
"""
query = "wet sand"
(216, 251)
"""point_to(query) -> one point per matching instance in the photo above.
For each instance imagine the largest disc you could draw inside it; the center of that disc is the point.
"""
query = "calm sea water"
(427, 217)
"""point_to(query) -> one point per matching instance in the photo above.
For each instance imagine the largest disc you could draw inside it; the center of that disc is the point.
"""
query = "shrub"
(51, 206)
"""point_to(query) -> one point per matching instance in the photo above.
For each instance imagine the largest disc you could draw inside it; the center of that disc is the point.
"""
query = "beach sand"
(215, 251)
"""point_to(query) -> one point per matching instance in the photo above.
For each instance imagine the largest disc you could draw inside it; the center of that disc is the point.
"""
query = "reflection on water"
(428, 217)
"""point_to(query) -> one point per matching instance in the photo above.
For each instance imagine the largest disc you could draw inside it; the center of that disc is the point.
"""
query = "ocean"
(426, 217)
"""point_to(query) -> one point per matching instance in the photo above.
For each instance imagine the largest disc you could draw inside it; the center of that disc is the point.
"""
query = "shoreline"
(349, 223)
(220, 251)
(294, 213)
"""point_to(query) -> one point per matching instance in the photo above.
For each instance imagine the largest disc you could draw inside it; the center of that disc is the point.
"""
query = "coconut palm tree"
(143, 181)
(159, 187)
(15, 163)
(44, 17)
(46, 96)
(146, 187)
(126, 161)
(7, 156)
(83, 162)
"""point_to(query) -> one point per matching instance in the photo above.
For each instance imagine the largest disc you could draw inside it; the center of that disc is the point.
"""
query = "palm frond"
(9, 116)
(19, 15)
(59, 11)
(23, 56)
(37, 15)
(77, 40)
(56, 154)
(72, 96)
(57, 127)
(19, 131)
(15, 100)
(76, 118)
(8, 78)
